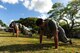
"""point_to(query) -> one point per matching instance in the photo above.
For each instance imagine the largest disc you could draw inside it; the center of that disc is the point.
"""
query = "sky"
(15, 9)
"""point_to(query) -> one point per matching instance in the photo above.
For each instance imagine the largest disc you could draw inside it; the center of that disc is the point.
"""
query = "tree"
(71, 10)
(29, 22)
(2, 24)
(56, 11)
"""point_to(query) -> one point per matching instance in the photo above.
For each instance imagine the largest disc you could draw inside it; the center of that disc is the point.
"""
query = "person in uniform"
(50, 28)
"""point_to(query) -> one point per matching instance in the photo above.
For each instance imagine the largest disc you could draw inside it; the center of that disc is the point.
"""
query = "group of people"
(47, 27)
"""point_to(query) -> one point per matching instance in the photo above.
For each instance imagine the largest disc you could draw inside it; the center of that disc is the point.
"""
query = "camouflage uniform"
(26, 32)
(52, 25)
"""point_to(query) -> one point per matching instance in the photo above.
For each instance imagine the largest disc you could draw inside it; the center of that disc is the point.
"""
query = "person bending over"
(50, 28)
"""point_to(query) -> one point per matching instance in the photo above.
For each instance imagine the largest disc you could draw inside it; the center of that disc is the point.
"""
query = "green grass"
(22, 44)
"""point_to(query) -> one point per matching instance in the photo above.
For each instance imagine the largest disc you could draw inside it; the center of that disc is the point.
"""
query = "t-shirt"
(48, 29)
(51, 25)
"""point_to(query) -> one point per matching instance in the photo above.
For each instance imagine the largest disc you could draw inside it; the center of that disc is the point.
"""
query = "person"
(15, 29)
(26, 31)
(50, 28)
(19, 28)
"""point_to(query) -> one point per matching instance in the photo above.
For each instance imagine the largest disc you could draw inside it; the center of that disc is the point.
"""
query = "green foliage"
(56, 11)
(29, 22)
(62, 22)
(2, 24)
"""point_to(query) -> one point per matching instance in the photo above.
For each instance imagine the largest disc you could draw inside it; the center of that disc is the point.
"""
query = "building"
(2, 28)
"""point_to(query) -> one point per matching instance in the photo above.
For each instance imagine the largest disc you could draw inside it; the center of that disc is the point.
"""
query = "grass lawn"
(22, 44)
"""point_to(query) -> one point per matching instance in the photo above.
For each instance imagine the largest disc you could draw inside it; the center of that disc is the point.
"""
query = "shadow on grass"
(33, 47)
(26, 47)
(70, 45)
